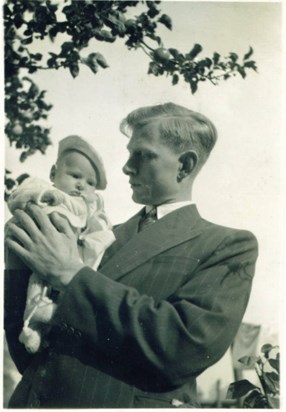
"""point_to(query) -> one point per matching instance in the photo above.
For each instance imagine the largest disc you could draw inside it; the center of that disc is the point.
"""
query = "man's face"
(75, 175)
(152, 168)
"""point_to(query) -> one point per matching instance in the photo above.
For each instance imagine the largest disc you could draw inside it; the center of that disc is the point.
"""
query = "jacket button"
(43, 373)
(77, 334)
(35, 403)
(64, 326)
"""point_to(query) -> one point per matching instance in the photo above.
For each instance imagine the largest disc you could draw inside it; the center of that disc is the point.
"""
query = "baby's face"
(75, 175)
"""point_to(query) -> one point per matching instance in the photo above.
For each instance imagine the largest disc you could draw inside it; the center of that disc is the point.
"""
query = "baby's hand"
(90, 197)
(52, 197)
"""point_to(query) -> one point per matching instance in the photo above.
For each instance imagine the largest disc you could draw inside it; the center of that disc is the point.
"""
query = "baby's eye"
(75, 176)
(91, 184)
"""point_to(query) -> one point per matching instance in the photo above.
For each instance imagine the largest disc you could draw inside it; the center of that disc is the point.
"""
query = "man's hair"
(180, 129)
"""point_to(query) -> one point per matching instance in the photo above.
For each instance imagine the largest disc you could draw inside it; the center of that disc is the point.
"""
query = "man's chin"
(138, 200)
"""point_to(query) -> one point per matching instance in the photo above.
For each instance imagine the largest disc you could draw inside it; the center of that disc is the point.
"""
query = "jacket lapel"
(123, 233)
(132, 249)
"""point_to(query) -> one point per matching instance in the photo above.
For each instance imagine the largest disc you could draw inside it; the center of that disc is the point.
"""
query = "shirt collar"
(167, 208)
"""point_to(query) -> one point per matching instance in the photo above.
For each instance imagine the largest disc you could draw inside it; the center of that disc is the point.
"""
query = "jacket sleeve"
(173, 339)
(15, 288)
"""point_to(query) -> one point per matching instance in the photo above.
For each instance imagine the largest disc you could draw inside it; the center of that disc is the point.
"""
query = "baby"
(77, 173)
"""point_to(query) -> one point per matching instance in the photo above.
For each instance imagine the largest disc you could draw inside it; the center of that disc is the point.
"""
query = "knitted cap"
(80, 145)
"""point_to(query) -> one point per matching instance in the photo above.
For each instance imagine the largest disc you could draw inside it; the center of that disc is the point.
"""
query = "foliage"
(267, 369)
(27, 22)
(11, 183)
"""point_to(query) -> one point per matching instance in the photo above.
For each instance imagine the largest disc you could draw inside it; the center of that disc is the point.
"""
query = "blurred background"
(240, 186)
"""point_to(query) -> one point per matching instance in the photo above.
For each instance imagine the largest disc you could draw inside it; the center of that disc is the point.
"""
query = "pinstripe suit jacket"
(164, 306)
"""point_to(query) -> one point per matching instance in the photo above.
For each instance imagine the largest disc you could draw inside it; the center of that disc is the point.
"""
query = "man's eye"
(144, 155)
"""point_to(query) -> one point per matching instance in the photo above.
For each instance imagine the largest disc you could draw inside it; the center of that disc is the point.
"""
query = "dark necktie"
(148, 219)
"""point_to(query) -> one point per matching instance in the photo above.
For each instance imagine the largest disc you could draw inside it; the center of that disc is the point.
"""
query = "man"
(167, 300)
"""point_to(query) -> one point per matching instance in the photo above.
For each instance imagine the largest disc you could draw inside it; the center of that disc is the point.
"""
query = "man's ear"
(53, 173)
(188, 161)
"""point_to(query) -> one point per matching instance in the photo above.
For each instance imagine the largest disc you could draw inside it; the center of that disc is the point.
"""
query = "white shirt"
(166, 208)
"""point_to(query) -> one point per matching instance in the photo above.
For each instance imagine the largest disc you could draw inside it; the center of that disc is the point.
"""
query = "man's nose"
(129, 168)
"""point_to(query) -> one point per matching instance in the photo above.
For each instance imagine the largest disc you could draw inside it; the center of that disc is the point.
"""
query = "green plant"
(267, 368)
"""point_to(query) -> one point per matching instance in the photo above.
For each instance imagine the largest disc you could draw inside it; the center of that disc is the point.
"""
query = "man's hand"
(46, 244)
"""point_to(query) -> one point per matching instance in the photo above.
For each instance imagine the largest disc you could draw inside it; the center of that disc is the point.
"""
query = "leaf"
(239, 388)
(23, 157)
(32, 69)
(233, 56)
(153, 11)
(194, 52)
(22, 177)
(93, 66)
(208, 62)
(28, 32)
(248, 361)
(67, 46)
(216, 58)
(154, 69)
(28, 40)
(157, 39)
(272, 382)
(266, 349)
(248, 54)
(9, 183)
(23, 61)
(74, 69)
(274, 352)
(175, 79)
(67, 10)
(251, 64)
(274, 363)
(18, 21)
(254, 400)
(194, 86)
(38, 56)
(51, 62)
(53, 32)
(241, 71)
(274, 376)
(119, 26)
(174, 52)
(107, 36)
(62, 26)
(166, 20)
(101, 60)
(33, 91)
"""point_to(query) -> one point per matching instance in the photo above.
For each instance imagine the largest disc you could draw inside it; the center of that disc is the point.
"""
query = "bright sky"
(241, 186)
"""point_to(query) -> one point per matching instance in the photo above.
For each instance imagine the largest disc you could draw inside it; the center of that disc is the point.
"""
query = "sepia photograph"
(144, 220)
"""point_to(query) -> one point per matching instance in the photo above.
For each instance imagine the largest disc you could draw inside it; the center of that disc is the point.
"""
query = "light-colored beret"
(80, 145)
